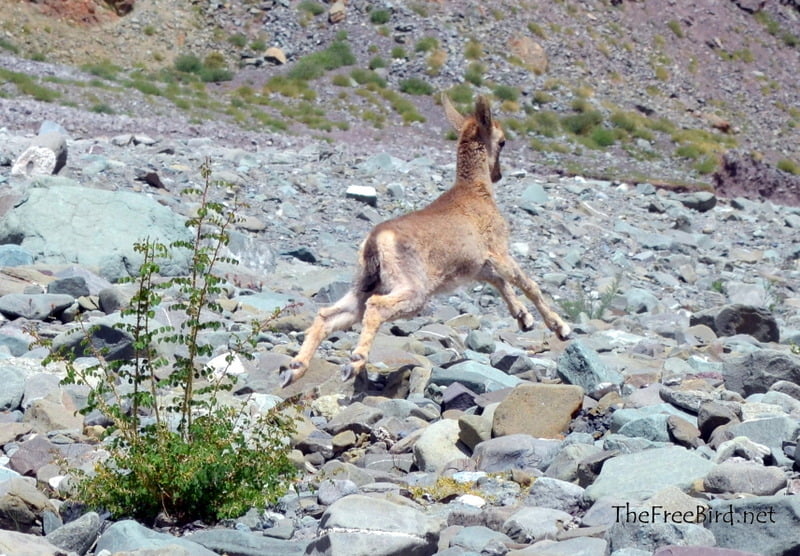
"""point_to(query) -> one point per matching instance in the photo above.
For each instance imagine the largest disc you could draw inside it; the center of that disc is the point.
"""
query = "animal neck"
(472, 165)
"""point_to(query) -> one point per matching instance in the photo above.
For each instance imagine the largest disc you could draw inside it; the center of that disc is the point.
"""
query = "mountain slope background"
(641, 91)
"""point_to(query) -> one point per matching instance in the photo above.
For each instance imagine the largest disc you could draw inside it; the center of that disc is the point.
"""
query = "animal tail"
(369, 275)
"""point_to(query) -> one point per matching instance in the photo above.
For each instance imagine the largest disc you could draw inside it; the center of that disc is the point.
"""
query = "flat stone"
(642, 474)
(744, 477)
(359, 525)
(763, 524)
(539, 410)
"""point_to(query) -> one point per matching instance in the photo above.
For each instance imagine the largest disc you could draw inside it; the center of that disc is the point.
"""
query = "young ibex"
(459, 237)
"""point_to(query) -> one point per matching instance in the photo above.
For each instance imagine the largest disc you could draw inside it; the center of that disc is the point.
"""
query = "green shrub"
(474, 73)
(146, 87)
(238, 40)
(174, 447)
(398, 52)
(5, 44)
(788, 165)
(104, 69)
(380, 17)
(102, 108)
(473, 51)
(506, 92)
(364, 76)
(188, 63)
(311, 7)
(675, 26)
(583, 123)
(706, 165)
(591, 308)
(314, 65)
(215, 75)
(689, 150)
(461, 94)
(341, 80)
(603, 137)
(426, 44)
(377, 62)
(416, 86)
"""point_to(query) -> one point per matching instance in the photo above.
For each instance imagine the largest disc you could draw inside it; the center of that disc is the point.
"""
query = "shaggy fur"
(459, 237)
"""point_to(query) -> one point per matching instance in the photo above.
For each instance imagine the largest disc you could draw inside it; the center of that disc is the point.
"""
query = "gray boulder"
(128, 536)
(46, 155)
(13, 380)
(755, 372)
(62, 225)
(360, 525)
(744, 477)
(14, 255)
(438, 445)
(642, 474)
(582, 366)
(768, 525)
(33, 306)
(77, 536)
(651, 535)
(244, 543)
(515, 451)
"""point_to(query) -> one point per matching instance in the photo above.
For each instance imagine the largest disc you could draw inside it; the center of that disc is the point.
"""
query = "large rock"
(580, 365)
(21, 506)
(476, 376)
(13, 380)
(46, 155)
(77, 536)
(244, 543)
(65, 225)
(730, 320)
(129, 536)
(755, 372)
(12, 541)
(364, 526)
(744, 477)
(437, 446)
(540, 410)
(515, 451)
(768, 525)
(640, 475)
(33, 306)
(531, 524)
(743, 175)
(651, 535)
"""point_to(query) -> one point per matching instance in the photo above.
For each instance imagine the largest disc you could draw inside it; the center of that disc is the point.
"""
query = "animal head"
(479, 131)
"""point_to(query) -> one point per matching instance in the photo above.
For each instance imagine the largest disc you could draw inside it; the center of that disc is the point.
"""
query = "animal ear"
(483, 113)
(453, 116)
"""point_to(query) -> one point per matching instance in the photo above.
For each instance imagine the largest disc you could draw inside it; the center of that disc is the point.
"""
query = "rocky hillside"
(615, 90)
(666, 425)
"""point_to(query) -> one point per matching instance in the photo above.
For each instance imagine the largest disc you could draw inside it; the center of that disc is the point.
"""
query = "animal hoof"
(525, 321)
(287, 376)
(564, 332)
(346, 372)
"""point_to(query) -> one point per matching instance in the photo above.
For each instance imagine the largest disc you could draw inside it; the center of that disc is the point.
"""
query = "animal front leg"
(508, 268)
(515, 307)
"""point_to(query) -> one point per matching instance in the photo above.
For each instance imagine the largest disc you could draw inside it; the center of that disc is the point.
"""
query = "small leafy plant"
(592, 308)
(175, 449)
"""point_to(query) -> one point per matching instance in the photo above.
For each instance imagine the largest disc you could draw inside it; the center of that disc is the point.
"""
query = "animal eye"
(502, 143)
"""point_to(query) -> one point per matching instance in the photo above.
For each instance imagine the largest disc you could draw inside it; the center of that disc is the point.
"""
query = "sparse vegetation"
(416, 86)
(380, 16)
(173, 447)
(676, 28)
(790, 166)
(426, 44)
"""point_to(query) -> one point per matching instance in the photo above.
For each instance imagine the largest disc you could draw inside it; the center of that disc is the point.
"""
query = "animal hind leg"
(509, 270)
(341, 315)
(380, 309)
